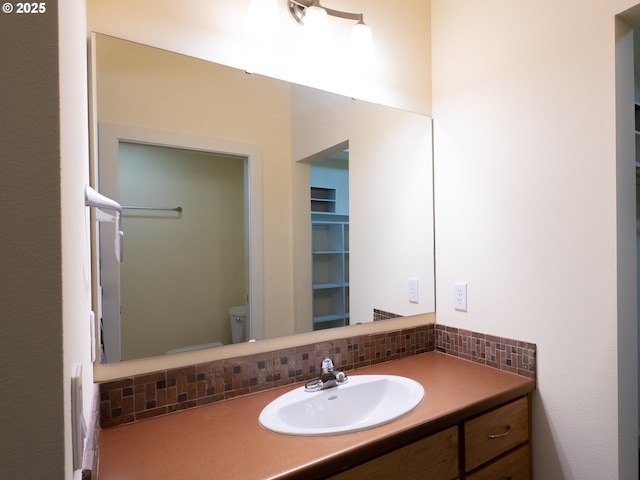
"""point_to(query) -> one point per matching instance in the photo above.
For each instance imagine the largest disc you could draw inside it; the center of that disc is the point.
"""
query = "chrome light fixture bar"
(314, 16)
(298, 10)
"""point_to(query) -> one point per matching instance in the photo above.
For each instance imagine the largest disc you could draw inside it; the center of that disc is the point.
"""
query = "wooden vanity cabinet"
(493, 434)
(514, 466)
(493, 445)
(431, 458)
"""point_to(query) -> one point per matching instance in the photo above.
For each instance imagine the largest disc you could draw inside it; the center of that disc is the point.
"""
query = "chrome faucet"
(328, 378)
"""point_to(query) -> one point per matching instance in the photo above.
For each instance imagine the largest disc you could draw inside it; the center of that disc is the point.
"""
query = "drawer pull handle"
(493, 436)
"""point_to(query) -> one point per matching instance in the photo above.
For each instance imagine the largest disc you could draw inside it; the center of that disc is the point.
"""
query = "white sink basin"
(366, 401)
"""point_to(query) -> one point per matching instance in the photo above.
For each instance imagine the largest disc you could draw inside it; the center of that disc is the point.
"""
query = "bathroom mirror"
(276, 130)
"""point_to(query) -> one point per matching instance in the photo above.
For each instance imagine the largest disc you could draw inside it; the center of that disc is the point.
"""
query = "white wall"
(74, 175)
(526, 207)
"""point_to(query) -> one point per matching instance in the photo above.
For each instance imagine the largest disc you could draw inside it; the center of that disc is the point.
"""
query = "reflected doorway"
(192, 227)
(329, 192)
(184, 271)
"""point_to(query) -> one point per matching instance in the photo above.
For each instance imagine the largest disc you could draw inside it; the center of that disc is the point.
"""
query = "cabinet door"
(514, 466)
(495, 432)
(432, 458)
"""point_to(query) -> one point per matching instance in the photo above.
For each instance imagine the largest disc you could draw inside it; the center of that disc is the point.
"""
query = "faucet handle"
(327, 365)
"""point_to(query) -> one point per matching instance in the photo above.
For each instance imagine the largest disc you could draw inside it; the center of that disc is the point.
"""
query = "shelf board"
(328, 286)
(335, 218)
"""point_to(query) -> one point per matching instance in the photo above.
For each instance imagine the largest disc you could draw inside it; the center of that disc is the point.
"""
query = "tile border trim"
(513, 356)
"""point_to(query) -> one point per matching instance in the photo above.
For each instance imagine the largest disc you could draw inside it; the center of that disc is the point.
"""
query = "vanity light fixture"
(315, 16)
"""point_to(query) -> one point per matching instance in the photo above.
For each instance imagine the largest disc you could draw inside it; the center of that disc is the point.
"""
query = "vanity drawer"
(515, 466)
(432, 458)
(495, 432)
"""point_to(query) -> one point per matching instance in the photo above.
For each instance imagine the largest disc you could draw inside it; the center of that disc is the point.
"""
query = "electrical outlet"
(413, 290)
(460, 296)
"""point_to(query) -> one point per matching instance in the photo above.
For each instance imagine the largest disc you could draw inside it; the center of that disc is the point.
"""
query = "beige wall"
(526, 213)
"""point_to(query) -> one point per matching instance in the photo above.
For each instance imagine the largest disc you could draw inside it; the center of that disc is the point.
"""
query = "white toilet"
(238, 321)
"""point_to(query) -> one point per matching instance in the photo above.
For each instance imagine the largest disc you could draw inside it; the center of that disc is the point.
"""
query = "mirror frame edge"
(115, 371)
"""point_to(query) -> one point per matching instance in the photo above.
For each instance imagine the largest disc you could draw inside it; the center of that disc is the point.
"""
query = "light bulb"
(362, 49)
(316, 21)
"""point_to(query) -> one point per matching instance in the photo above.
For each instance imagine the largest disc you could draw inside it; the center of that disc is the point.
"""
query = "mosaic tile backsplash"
(498, 352)
(382, 315)
(149, 395)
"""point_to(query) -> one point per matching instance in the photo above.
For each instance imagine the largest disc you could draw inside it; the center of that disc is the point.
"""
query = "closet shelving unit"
(330, 257)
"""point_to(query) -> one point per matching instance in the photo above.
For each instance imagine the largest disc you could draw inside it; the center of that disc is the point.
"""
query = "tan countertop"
(224, 440)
